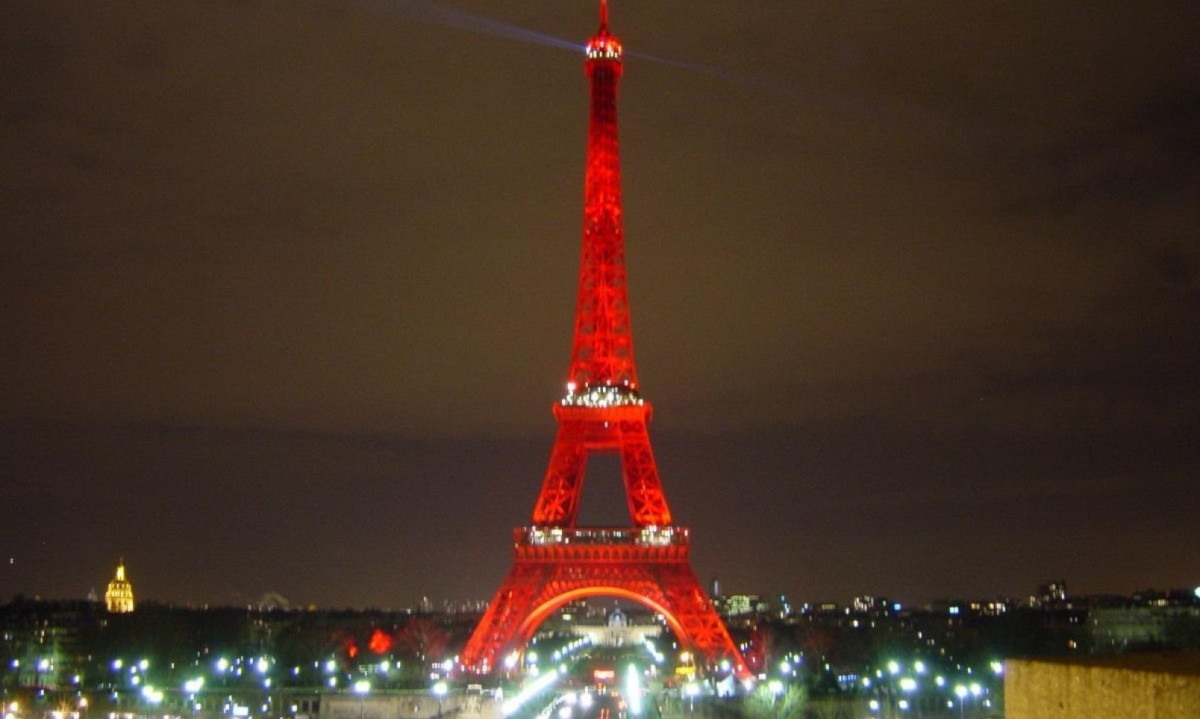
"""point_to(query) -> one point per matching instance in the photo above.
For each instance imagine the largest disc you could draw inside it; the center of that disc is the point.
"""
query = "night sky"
(287, 291)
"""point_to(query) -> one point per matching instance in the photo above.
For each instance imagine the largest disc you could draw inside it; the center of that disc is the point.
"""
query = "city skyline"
(1052, 594)
(288, 293)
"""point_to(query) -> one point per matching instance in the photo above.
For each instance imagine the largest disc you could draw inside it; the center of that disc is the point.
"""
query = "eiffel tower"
(556, 561)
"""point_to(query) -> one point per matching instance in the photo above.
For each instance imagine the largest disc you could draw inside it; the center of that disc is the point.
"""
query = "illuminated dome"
(119, 596)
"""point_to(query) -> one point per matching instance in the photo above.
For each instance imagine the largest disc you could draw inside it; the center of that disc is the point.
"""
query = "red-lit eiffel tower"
(557, 561)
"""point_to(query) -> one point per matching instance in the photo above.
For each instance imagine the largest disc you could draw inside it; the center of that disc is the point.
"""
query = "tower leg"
(495, 634)
(558, 502)
(643, 490)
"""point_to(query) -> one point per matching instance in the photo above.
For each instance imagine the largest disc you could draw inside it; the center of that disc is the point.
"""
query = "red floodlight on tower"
(555, 560)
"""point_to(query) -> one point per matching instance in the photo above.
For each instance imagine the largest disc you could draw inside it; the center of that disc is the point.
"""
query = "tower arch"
(542, 612)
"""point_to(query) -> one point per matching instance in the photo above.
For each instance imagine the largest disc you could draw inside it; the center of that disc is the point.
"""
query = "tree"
(783, 702)
(423, 639)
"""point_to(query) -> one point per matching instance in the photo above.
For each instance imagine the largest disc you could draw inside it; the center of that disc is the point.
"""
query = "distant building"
(1050, 593)
(974, 607)
(119, 596)
(618, 631)
(783, 608)
(878, 606)
(741, 606)
(1124, 629)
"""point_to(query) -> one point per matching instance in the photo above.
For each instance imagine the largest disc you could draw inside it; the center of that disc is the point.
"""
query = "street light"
(691, 689)
(633, 690)
(909, 686)
(776, 688)
(975, 690)
(362, 687)
(439, 691)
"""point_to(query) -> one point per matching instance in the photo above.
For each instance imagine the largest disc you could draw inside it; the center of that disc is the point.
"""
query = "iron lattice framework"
(555, 560)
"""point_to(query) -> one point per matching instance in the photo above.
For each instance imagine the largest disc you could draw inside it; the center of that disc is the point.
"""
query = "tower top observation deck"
(603, 45)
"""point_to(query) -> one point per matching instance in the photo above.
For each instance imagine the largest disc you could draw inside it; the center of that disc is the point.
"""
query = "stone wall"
(1156, 686)
(389, 706)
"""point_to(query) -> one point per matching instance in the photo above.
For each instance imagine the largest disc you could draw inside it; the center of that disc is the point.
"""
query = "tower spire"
(602, 351)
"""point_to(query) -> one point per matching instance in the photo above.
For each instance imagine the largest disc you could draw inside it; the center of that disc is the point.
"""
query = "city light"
(691, 690)
(602, 396)
(532, 689)
(633, 689)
